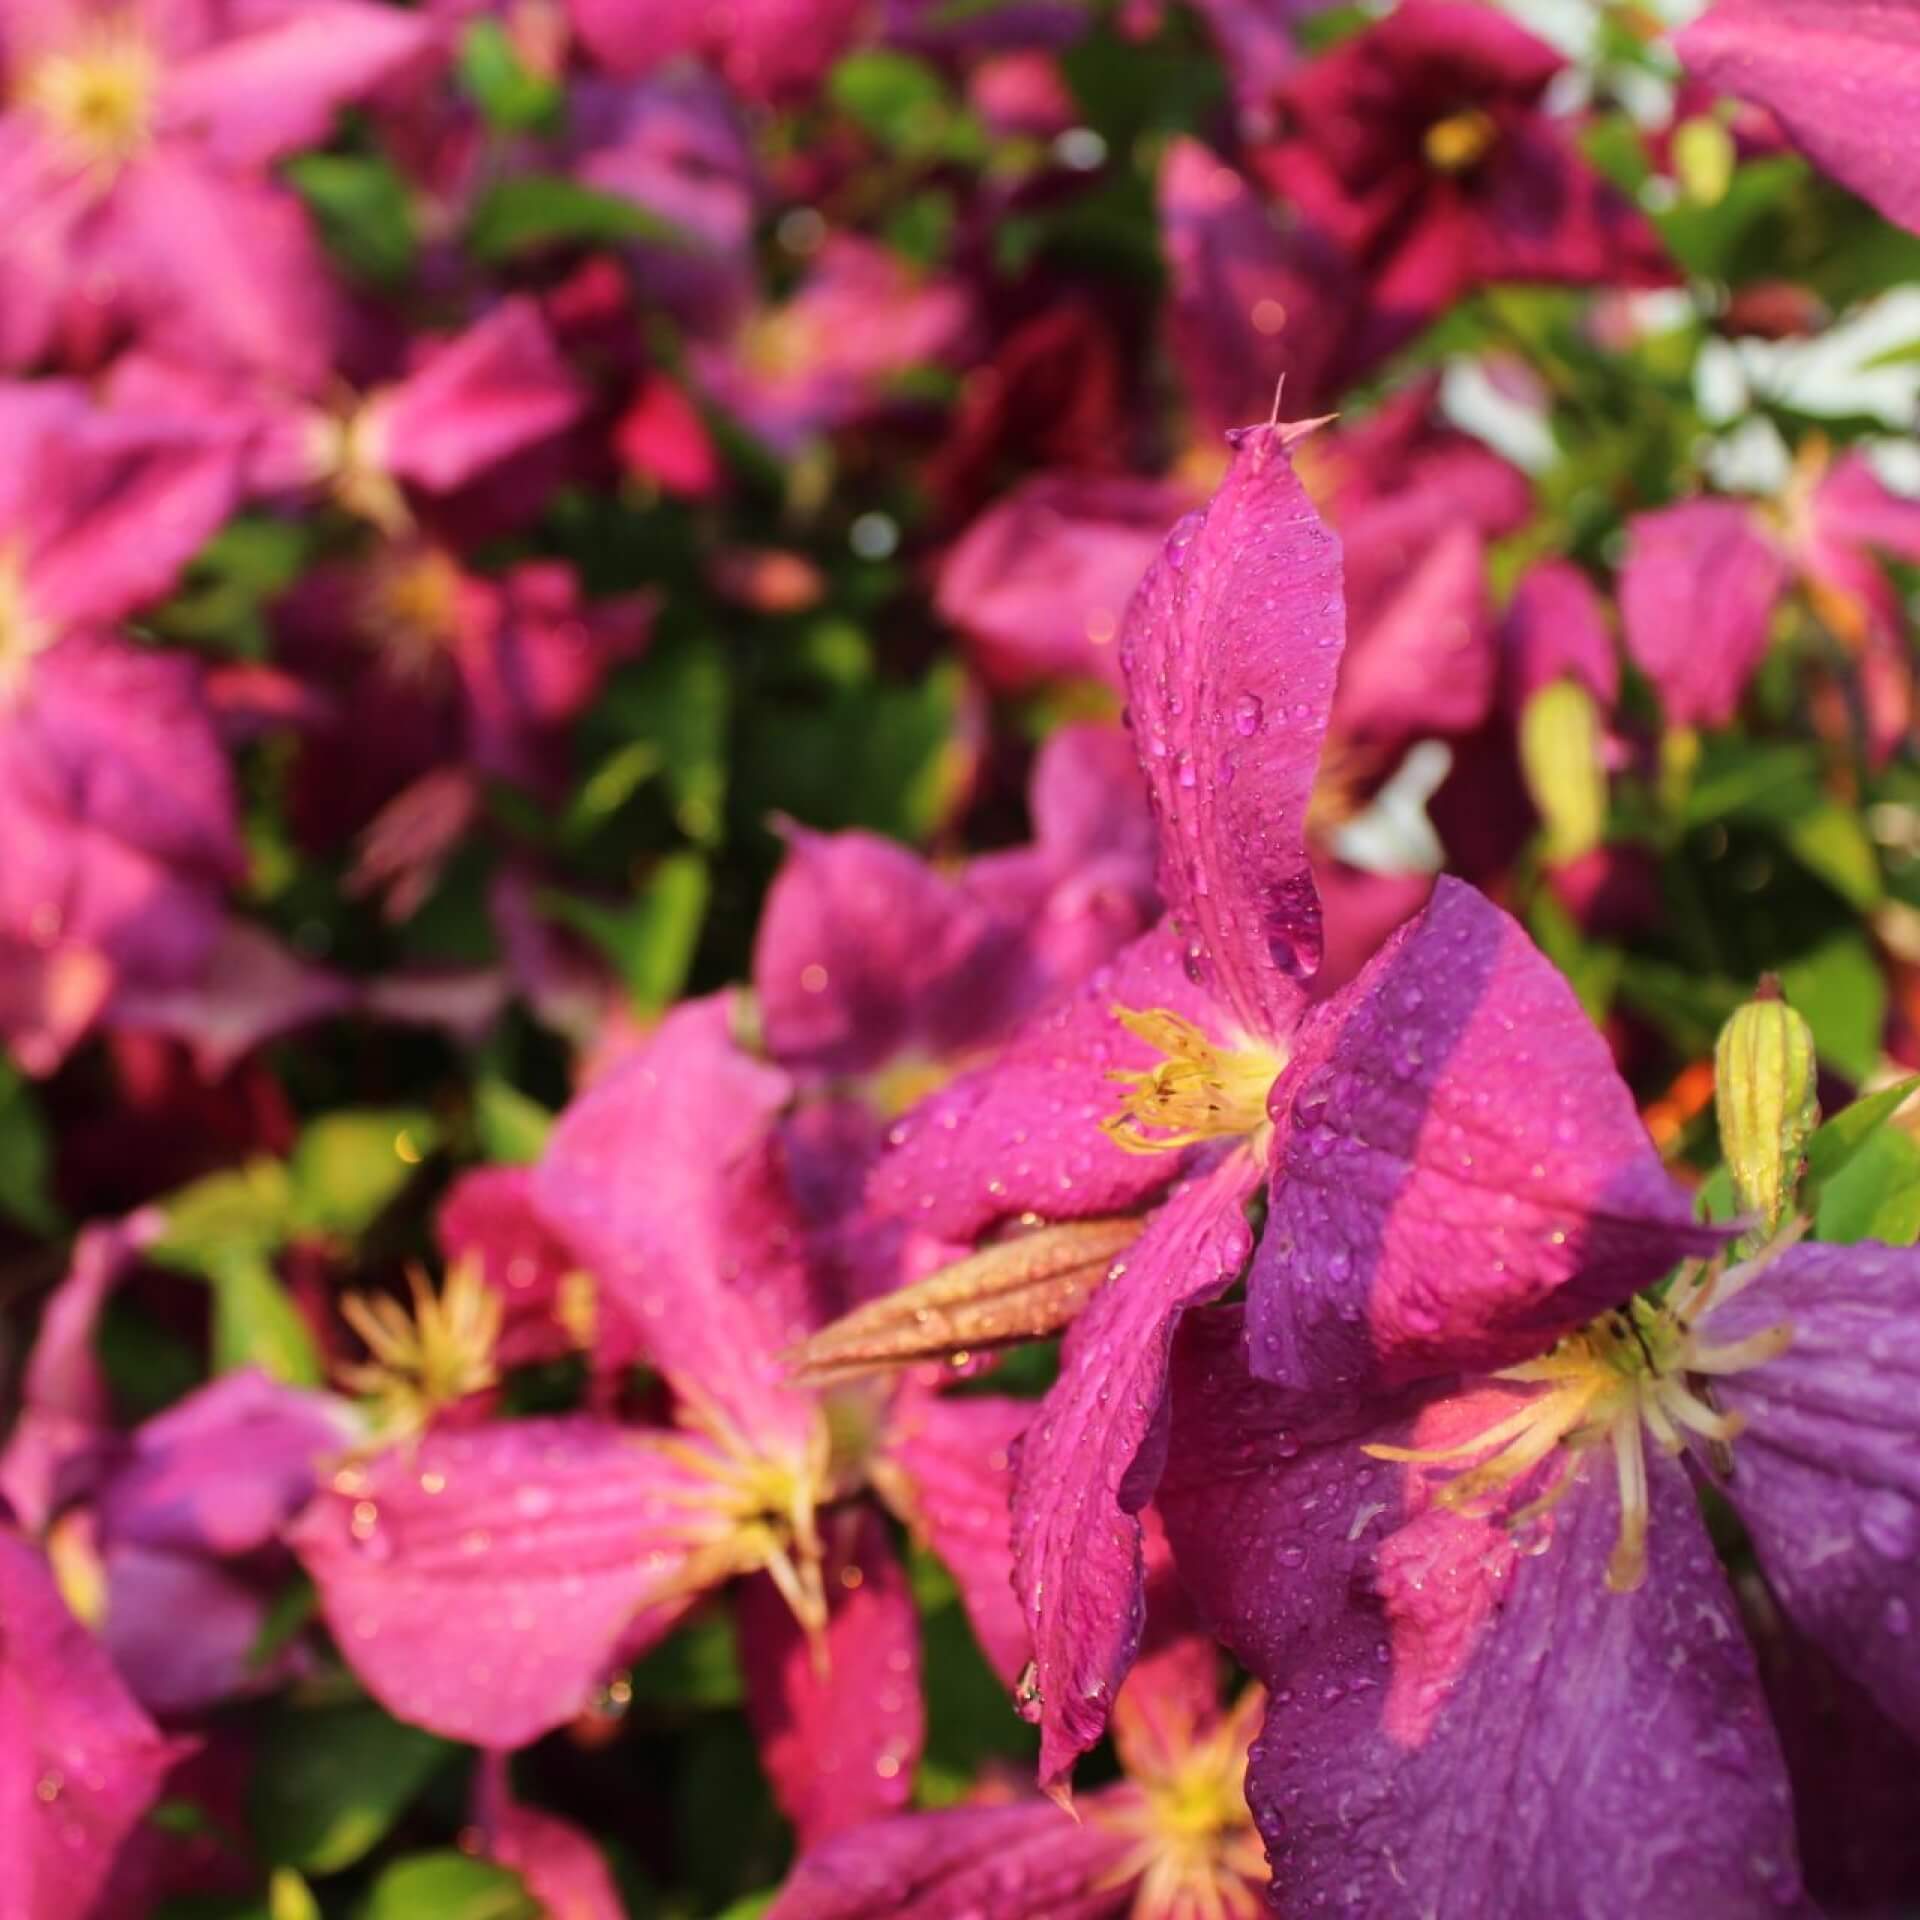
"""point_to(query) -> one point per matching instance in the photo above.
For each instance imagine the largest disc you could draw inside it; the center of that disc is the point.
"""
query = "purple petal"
(1840, 75)
(1038, 584)
(1459, 1172)
(181, 1630)
(1697, 594)
(839, 1727)
(79, 1762)
(563, 1869)
(1556, 629)
(945, 1466)
(1455, 1719)
(1009, 1862)
(1230, 650)
(1022, 1135)
(1091, 1458)
(498, 388)
(1827, 1472)
(481, 1582)
(663, 1178)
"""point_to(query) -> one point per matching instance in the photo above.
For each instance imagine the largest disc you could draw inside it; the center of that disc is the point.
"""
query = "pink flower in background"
(136, 147)
(765, 49)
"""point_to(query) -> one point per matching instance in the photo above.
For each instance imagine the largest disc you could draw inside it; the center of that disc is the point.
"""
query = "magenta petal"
(481, 1583)
(945, 1466)
(840, 1726)
(498, 388)
(79, 1762)
(1840, 75)
(1490, 1728)
(1459, 1172)
(1011, 1862)
(662, 1178)
(1022, 1135)
(1091, 1458)
(1827, 1472)
(1230, 651)
(560, 1864)
(181, 1629)
(257, 95)
(1853, 507)
(1556, 629)
(1697, 594)
(864, 951)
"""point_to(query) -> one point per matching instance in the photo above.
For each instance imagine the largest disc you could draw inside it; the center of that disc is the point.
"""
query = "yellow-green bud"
(1703, 160)
(1765, 1094)
(1560, 761)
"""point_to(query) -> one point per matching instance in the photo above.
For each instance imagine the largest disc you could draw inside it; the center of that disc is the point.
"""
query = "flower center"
(347, 453)
(22, 633)
(1460, 141)
(97, 95)
(421, 1362)
(1195, 1850)
(1639, 1369)
(780, 345)
(410, 610)
(1197, 1092)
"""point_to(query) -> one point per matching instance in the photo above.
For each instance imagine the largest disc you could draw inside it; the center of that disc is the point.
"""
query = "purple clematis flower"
(1176, 1077)
(136, 146)
(483, 1582)
(1171, 1840)
(1839, 75)
(124, 831)
(1420, 151)
(79, 1762)
(1390, 1566)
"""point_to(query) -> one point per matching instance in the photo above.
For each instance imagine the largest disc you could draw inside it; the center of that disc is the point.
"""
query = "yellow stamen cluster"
(1640, 1367)
(1195, 1852)
(346, 451)
(1198, 1092)
(96, 96)
(424, 1361)
(22, 633)
(1460, 141)
(410, 610)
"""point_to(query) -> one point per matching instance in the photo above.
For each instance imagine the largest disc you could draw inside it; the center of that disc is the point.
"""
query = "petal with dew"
(1459, 1172)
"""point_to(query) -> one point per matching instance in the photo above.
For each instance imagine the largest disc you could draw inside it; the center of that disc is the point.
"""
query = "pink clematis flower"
(764, 49)
(539, 1553)
(1839, 75)
(1175, 1079)
(1419, 150)
(135, 150)
(124, 833)
(80, 1763)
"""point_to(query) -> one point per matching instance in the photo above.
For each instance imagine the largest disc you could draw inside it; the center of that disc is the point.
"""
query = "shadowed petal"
(1840, 75)
(1697, 594)
(1230, 652)
(1826, 1473)
(1090, 1460)
(1022, 1135)
(1459, 1172)
(839, 1725)
(946, 1468)
(481, 1582)
(1555, 629)
(562, 1867)
(1459, 1726)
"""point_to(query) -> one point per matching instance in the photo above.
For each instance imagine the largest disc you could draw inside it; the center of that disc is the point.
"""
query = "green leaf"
(330, 1782)
(1876, 1195)
(904, 103)
(752, 1907)
(449, 1886)
(25, 1157)
(256, 1324)
(512, 1126)
(1841, 990)
(528, 211)
(1837, 1140)
(513, 97)
(650, 942)
(1592, 970)
(695, 1667)
(363, 209)
(1829, 840)
(678, 703)
(244, 1214)
(349, 1167)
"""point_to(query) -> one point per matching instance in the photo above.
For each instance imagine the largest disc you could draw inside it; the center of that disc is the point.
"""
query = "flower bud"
(1560, 760)
(1704, 159)
(1766, 1100)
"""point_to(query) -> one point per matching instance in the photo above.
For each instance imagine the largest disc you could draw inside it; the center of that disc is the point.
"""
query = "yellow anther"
(1198, 1092)
(426, 1360)
(96, 96)
(410, 610)
(1638, 1369)
(1460, 141)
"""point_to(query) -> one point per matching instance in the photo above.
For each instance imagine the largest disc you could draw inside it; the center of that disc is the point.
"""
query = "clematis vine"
(485, 1579)
(1171, 1081)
